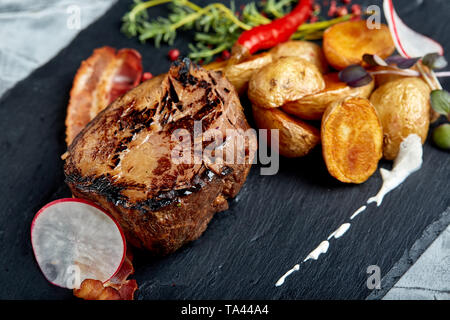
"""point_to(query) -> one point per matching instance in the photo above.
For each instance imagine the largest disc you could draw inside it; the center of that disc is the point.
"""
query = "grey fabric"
(429, 277)
(33, 31)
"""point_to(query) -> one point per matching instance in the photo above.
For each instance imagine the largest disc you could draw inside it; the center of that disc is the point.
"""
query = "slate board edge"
(410, 256)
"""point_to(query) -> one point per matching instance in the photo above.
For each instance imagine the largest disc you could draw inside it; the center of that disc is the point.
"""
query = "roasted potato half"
(404, 108)
(240, 74)
(296, 138)
(309, 51)
(345, 43)
(352, 139)
(284, 79)
(216, 65)
(313, 106)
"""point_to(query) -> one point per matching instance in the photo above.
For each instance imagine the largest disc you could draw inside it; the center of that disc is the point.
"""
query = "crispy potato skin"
(296, 138)
(352, 139)
(239, 74)
(404, 108)
(309, 51)
(313, 106)
(345, 43)
(282, 80)
(216, 65)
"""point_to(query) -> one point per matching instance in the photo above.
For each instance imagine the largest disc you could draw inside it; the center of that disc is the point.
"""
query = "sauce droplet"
(322, 248)
(339, 231)
(287, 274)
(354, 215)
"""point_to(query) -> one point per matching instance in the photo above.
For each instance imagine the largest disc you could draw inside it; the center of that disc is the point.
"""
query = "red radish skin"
(76, 200)
(396, 25)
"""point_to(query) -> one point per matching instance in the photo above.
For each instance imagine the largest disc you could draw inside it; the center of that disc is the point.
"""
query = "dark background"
(273, 223)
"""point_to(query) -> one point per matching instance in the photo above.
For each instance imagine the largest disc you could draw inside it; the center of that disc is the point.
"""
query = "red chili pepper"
(280, 30)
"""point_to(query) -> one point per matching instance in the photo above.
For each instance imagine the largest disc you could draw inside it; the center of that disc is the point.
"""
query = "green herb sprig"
(216, 26)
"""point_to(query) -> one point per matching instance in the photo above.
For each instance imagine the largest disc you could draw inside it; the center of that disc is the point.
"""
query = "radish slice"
(74, 240)
(408, 42)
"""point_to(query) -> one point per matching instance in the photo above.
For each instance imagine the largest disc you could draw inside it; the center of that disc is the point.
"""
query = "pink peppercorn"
(333, 8)
(316, 8)
(341, 11)
(146, 76)
(313, 19)
(174, 54)
(356, 9)
(225, 54)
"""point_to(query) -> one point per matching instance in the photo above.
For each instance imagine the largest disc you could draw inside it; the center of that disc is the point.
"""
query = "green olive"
(441, 136)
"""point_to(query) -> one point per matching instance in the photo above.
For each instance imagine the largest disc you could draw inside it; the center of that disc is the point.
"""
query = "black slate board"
(272, 224)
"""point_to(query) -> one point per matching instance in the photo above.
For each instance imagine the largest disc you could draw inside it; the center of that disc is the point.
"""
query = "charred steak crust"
(122, 158)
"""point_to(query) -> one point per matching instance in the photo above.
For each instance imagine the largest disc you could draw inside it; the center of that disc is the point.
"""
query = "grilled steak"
(125, 159)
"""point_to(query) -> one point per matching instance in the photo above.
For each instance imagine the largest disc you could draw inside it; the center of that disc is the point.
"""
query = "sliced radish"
(409, 43)
(74, 240)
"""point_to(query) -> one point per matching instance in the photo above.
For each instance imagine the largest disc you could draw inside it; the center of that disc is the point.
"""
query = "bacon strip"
(91, 289)
(102, 78)
(117, 288)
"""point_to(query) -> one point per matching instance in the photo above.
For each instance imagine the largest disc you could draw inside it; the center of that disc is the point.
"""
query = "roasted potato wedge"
(404, 108)
(240, 74)
(309, 51)
(282, 80)
(352, 139)
(345, 43)
(296, 138)
(313, 106)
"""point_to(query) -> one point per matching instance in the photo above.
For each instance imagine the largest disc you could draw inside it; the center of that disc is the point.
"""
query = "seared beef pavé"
(123, 160)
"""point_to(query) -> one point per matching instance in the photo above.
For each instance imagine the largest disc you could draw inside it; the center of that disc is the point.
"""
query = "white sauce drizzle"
(339, 231)
(409, 160)
(287, 274)
(354, 215)
(321, 248)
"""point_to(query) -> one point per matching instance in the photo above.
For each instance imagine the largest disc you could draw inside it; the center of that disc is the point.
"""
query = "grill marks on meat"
(122, 159)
